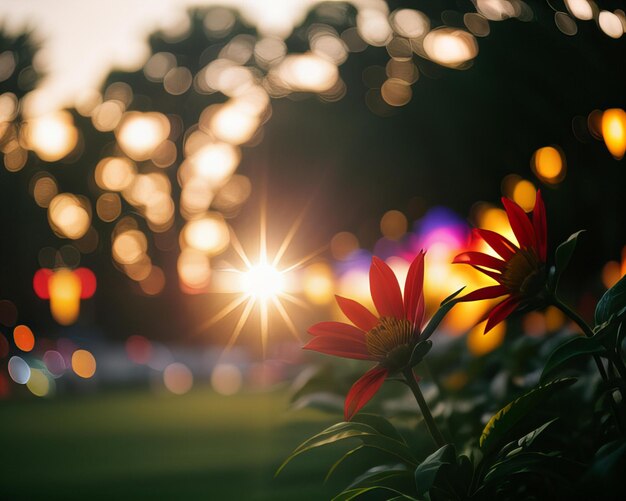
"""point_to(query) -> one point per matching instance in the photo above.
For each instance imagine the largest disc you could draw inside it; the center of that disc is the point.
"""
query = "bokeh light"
(226, 379)
(524, 194)
(450, 47)
(83, 364)
(548, 164)
(55, 363)
(480, 344)
(318, 283)
(614, 131)
(69, 215)
(393, 224)
(51, 136)
(139, 134)
(18, 370)
(64, 288)
(138, 349)
(177, 378)
(39, 384)
(23, 338)
(209, 234)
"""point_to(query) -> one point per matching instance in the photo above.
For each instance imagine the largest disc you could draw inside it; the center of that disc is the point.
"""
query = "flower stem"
(585, 328)
(589, 333)
(428, 417)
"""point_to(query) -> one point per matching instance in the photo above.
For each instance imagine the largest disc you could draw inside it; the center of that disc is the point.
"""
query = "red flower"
(520, 272)
(388, 339)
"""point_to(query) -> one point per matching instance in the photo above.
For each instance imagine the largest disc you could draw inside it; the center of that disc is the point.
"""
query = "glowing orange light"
(614, 131)
(549, 165)
(24, 338)
(524, 194)
(52, 136)
(83, 364)
(64, 288)
(480, 344)
(318, 283)
(62, 291)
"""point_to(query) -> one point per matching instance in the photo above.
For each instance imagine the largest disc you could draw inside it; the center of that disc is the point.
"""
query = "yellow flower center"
(522, 271)
(388, 335)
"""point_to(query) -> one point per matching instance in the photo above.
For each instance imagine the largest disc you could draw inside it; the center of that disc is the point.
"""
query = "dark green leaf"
(503, 421)
(419, 352)
(444, 308)
(608, 457)
(563, 255)
(521, 445)
(381, 476)
(336, 464)
(528, 439)
(521, 463)
(613, 302)
(342, 431)
(351, 494)
(379, 423)
(572, 348)
(427, 470)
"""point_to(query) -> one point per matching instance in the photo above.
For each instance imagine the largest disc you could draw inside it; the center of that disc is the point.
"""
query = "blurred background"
(187, 184)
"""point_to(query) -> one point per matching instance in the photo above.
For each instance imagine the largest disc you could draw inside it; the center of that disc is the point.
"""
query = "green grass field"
(137, 444)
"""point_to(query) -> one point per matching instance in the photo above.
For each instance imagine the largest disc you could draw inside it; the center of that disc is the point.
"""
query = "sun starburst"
(262, 283)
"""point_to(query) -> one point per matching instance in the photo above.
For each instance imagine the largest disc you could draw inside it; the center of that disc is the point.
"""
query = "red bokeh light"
(87, 280)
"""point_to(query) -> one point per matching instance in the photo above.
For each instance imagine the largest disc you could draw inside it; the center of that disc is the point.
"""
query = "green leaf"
(521, 463)
(380, 424)
(613, 302)
(572, 348)
(504, 420)
(608, 458)
(444, 308)
(419, 352)
(336, 464)
(345, 430)
(563, 255)
(516, 446)
(528, 439)
(427, 470)
(381, 475)
(351, 494)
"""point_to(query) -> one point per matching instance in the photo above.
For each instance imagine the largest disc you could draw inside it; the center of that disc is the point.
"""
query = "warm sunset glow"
(480, 344)
(263, 282)
(450, 47)
(549, 165)
(52, 136)
(614, 131)
(139, 134)
(65, 289)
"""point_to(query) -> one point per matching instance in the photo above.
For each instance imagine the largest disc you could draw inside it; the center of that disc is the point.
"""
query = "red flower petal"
(336, 329)
(480, 259)
(520, 224)
(363, 390)
(486, 293)
(339, 346)
(420, 312)
(501, 311)
(541, 231)
(358, 314)
(385, 290)
(497, 242)
(414, 291)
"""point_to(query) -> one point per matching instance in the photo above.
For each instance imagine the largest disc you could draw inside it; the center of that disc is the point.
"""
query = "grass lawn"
(137, 444)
